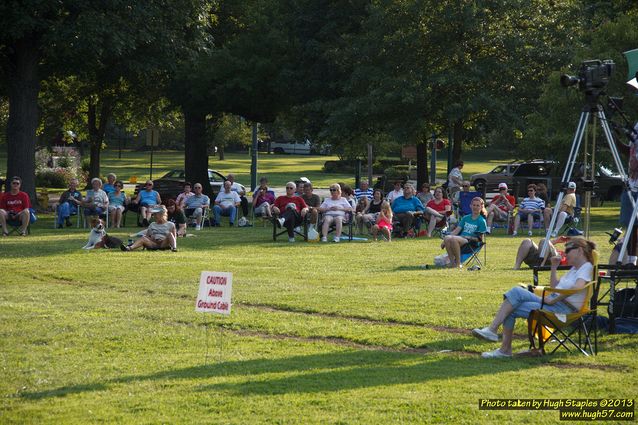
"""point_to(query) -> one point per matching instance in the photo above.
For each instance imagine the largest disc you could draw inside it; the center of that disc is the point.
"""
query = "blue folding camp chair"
(465, 202)
(16, 224)
(470, 253)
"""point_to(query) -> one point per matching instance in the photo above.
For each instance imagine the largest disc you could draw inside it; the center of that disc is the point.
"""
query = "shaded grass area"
(319, 333)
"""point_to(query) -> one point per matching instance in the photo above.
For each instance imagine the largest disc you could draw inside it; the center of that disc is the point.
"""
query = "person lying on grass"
(519, 302)
(161, 233)
(470, 229)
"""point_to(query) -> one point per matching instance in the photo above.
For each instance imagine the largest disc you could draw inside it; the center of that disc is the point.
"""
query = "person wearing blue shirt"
(471, 228)
(407, 208)
(147, 198)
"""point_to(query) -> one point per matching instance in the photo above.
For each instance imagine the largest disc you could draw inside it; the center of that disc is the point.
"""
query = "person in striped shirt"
(531, 208)
(363, 190)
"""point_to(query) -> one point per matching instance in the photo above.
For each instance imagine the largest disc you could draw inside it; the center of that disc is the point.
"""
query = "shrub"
(54, 177)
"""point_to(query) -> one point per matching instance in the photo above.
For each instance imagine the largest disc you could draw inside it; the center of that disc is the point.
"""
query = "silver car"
(500, 174)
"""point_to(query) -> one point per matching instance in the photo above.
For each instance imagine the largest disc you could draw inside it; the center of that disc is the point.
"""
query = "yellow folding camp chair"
(545, 326)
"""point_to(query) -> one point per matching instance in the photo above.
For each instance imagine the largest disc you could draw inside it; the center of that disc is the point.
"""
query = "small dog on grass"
(98, 238)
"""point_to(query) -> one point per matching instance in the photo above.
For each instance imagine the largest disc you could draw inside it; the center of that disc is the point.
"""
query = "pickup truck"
(608, 186)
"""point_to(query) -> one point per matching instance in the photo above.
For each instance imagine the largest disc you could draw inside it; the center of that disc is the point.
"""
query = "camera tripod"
(592, 111)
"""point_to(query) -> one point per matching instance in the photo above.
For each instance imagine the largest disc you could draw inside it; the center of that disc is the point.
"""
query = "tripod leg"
(569, 168)
(614, 151)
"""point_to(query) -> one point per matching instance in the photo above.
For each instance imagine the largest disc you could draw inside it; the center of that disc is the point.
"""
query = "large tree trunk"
(458, 136)
(421, 163)
(23, 88)
(96, 133)
(196, 150)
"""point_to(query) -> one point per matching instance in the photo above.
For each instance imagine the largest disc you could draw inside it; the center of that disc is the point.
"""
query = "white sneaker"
(291, 240)
(514, 233)
(297, 229)
(281, 221)
(324, 239)
(335, 240)
(530, 234)
(495, 354)
(485, 333)
(198, 227)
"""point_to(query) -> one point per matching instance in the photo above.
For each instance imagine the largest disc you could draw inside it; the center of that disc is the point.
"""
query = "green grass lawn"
(319, 333)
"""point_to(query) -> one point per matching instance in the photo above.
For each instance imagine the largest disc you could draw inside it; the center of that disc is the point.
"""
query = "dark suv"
(608, 185)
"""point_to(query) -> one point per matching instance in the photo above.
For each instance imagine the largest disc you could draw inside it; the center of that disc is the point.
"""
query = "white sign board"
(215, 289)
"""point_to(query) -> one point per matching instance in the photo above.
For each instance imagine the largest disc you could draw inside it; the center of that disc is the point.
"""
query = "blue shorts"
(626, 209)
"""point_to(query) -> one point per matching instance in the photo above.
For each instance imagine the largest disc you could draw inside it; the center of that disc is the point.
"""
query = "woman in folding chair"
(519, 302)
(470, 229)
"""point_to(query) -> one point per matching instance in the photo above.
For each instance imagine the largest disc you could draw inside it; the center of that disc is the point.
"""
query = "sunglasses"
(15, 183)
(333, 190)
(290, 187)
(571, 248)
(149, 184)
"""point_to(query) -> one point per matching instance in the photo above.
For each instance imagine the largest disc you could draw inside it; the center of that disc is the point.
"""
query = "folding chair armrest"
(567, 291)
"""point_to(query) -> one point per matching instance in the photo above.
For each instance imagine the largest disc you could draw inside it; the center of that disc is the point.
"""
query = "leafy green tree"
(552, 127)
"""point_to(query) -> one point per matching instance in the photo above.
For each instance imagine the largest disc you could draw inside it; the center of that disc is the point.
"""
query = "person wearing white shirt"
(226, 204)
(395, 193)
(334, 211)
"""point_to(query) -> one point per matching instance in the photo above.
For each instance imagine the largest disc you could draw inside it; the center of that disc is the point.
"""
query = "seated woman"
(176, 216)
(370, 214)
(147, 198)
(519, 302)
(117, 204)
(436, 210)
(96, 201)
(470, 228)
(334, 211)
(263, 199)
(384, 222)
(425, 195)
(160, 234)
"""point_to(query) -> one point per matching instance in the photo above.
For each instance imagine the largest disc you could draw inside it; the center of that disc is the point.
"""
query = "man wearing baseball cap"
(566, 207)
(500, 207)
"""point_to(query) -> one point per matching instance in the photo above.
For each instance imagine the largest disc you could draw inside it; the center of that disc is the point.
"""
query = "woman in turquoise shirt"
(470, 228)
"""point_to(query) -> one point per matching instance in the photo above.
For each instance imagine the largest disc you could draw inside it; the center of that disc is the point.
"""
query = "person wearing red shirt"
(15, 205)
(288, 210)
(437, 209)
(500, 207)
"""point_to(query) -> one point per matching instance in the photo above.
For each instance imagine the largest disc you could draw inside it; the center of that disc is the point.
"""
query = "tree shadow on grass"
(324, 372)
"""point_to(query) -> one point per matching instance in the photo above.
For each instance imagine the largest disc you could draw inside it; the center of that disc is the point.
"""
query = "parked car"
(489, 181)
(171, 183)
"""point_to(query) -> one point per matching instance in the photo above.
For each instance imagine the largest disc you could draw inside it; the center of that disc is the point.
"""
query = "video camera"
(592, 75)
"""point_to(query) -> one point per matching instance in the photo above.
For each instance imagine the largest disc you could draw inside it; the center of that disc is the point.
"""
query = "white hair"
(96, 179)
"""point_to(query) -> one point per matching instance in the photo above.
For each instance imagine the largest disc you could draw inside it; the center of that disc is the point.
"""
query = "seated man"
(364, 190)
(68, 204)
(263, 198)
(289, 210)
(96, 201)
(146, 199)
(406, 207)
(235, 187)
(14, 206)
(312, 202)
(530, 253)
(195, 205)
(226, 204)
(531, 208)
(500, 207)
(566, 208)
